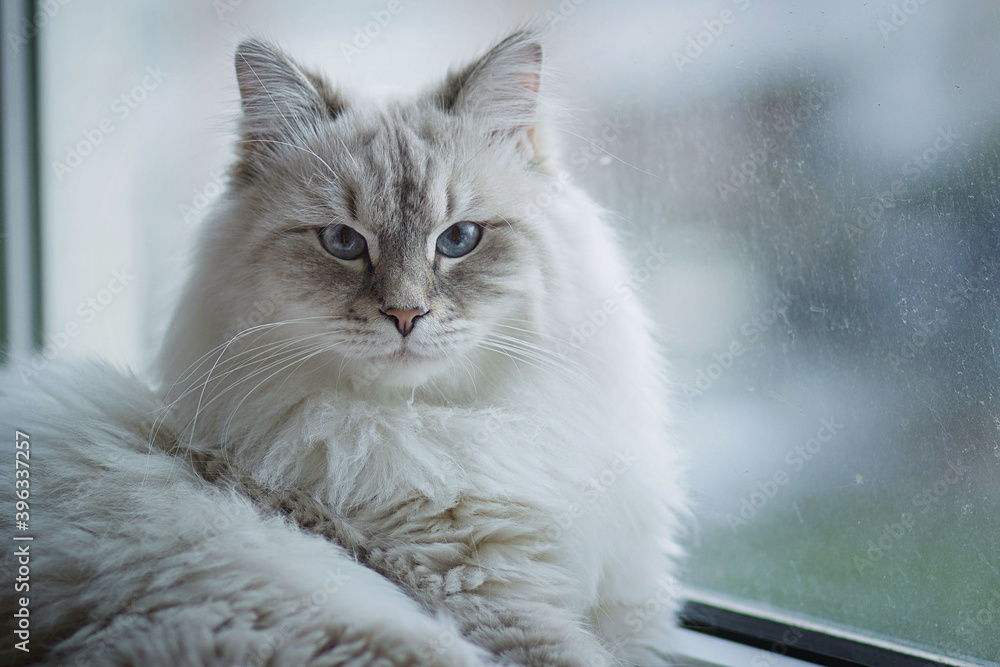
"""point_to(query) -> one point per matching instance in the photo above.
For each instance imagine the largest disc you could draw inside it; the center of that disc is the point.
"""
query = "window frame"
(21, 324)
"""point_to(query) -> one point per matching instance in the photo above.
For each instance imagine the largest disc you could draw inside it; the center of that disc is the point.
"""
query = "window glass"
(825, 178)
(818, 183)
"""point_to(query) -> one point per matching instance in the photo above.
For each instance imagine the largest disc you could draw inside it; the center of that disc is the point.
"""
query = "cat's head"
(394, 242)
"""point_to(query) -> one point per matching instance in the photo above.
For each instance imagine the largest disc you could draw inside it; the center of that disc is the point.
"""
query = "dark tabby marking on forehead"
(412, 183)
(351, 200)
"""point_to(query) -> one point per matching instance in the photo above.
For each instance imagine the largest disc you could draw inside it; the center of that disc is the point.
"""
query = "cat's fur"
(491, 489)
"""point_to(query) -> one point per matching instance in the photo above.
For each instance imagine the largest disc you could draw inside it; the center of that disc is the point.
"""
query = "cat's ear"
(282, 102)
(500, 89)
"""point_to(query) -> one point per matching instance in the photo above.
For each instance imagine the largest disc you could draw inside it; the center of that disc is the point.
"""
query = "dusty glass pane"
(826, 181)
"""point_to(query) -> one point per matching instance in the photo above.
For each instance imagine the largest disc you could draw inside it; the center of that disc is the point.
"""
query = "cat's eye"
(342, 242)
(459, 239)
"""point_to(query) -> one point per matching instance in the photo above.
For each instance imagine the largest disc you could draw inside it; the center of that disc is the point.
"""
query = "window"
(822, 179)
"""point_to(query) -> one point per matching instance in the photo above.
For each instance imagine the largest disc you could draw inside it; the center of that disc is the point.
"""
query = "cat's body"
(501, 494)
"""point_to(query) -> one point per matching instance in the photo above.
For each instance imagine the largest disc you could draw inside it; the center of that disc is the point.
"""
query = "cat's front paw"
(528, 634)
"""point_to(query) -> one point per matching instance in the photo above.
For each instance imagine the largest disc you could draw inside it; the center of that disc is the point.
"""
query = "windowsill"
(696, 649)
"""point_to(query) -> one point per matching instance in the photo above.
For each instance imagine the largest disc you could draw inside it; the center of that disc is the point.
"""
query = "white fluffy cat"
(410, 462)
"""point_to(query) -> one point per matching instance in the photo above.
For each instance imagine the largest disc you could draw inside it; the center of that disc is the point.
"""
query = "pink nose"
(405, 318)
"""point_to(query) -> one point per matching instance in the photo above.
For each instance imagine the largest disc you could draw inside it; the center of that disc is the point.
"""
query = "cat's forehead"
(396, 166)
(400, 138)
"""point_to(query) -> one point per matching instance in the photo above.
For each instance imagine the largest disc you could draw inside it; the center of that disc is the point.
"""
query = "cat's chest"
(439, 452)
(412, 471)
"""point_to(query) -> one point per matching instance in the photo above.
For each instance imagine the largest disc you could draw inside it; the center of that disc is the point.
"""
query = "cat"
(411, 460)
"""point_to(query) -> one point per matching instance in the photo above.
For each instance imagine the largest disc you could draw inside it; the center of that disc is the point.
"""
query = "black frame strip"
(793, 641)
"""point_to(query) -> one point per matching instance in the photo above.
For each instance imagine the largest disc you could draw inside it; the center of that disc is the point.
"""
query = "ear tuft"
(282, 102)
(501, 88)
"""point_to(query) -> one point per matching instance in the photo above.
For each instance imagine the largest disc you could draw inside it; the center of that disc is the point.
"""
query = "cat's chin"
(401, 369)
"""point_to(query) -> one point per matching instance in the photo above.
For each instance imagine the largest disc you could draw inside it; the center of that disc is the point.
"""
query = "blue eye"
(342, 241)
(459, 239)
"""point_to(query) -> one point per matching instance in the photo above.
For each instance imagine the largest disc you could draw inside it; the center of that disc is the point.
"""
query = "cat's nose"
(405, 318)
